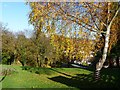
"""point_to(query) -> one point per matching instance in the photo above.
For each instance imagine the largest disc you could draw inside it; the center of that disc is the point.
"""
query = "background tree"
(8, 43)
(33, 51)
(1, 27)
(21, 45)
(43, 48)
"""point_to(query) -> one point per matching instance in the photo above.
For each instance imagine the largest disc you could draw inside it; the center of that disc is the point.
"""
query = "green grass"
(30, 77)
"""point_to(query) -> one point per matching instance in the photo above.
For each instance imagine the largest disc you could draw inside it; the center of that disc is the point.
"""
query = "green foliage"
(7, 46)
(5, 58)
(18, 49)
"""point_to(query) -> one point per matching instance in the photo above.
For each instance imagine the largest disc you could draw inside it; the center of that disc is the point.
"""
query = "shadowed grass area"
(52, 71)
(31, 77)
(110, 78)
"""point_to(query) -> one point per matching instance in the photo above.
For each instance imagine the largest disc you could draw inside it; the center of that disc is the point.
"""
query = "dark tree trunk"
(37, 61)
(97, 75)
(118, 61)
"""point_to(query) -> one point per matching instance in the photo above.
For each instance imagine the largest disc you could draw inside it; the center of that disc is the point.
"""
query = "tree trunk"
(37, 60)
(118, 61)
(99, 65)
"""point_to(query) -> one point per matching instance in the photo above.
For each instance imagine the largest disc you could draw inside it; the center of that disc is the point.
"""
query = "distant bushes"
(7, 71)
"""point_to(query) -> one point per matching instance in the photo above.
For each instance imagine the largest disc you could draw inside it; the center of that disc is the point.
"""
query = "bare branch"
(92, 16)
(78, 21)
(96, 16)
(114, 16)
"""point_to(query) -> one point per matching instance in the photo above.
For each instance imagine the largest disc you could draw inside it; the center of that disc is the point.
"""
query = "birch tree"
(110, 21)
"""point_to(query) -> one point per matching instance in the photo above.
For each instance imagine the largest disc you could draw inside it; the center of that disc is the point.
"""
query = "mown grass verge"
(31, 77)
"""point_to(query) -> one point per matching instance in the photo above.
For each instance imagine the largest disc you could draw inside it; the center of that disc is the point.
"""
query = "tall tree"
(21, 45)
(110, 20)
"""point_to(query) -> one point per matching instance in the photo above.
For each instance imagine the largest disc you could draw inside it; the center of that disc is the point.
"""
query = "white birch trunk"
(99, 65)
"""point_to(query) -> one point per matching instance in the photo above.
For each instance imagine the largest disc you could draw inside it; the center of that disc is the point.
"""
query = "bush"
(7, 71)
(37, 72)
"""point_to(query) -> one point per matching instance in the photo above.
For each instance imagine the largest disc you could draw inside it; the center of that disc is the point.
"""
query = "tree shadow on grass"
(112, 76)
(74, 81)
(3, 77)
(60, 72)
(37, 70)
(86, 81)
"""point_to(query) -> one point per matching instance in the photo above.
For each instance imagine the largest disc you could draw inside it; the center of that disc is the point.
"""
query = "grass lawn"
(30, 77)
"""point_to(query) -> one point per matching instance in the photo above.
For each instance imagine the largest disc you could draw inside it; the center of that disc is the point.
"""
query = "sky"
(15, 16)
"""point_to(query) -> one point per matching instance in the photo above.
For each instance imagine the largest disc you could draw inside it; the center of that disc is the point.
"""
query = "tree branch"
(79, 22)
(92, 16)
(114, 16)
(97, 17)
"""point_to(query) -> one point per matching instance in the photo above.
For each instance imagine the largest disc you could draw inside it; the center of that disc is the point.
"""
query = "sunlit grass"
(29, 77)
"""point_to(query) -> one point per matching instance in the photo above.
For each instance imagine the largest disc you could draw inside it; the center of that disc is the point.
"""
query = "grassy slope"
(57, 78)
